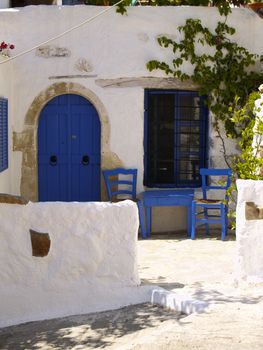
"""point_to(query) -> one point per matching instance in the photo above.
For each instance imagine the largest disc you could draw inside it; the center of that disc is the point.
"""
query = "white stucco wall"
(115, 46)
(91, 265)
(249, 233)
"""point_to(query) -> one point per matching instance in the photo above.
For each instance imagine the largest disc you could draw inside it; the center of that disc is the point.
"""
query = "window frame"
(203, 151)
(3, 134)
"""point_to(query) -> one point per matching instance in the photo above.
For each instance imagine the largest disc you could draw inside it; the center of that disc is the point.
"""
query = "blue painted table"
(163, 198)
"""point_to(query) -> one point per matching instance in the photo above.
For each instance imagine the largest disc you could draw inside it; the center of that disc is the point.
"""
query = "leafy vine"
(224, 6)
(227, 74)
(223, 74)
(248, 164)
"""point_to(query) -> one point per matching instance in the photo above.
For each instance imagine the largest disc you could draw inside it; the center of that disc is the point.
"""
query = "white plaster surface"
(178, 302)
(4, 4)
(249, 233)
(91, 266)
(115, 46)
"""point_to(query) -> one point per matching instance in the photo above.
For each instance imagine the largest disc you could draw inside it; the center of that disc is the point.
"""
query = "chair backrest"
(215, 179)
(120, 182)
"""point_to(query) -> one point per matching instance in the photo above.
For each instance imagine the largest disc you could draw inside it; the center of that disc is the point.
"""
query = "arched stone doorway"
(26, 141)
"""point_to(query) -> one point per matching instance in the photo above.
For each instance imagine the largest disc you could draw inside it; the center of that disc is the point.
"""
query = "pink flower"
(4, 48)
(3, 45)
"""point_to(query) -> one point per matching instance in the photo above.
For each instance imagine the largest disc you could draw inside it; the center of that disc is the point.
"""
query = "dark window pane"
(189, 113)
(21, 3)
(188, 99)
(176, 129)
(161, 138)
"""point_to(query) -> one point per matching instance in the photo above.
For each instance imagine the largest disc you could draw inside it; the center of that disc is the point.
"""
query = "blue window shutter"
(3, 134)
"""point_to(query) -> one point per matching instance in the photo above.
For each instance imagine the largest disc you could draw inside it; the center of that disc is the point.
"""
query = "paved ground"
(202, 268)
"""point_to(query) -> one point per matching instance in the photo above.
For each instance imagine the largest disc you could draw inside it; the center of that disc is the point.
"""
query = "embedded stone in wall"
(10, 199)
(40, 243)
(253, 212)
(49, 51)
(83, 65)
(143, 37)
(147, 82)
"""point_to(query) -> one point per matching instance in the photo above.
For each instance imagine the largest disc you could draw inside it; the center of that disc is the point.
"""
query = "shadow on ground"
(91, 331)
(214, 234)
(214, 296)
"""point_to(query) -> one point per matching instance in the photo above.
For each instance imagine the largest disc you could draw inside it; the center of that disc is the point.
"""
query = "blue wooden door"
(69, 150)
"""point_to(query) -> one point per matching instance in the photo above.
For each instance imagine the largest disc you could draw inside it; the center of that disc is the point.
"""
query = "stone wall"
(90, 264)
(249, 230)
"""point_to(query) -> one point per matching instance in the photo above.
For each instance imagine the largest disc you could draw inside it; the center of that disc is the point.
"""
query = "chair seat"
(209, 201)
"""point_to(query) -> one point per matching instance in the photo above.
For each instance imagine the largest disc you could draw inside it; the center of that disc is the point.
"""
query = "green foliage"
(223, 6)
(226, 74)
(221, 68)
(248, 164)
(121, 8)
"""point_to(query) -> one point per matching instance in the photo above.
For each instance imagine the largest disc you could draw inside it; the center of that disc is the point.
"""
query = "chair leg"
(223, 221)
(193, 220)
(141, 219)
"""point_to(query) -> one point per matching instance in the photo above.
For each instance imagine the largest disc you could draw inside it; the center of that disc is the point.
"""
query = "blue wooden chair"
(121, 184)
(203, 210)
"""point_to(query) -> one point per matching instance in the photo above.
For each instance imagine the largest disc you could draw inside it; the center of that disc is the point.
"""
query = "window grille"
(175, 141)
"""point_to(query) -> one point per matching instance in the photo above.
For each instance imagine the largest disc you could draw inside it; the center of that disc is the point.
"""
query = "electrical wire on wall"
(63, 33)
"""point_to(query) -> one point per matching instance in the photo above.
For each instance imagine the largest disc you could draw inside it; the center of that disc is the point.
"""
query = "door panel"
(69, 150)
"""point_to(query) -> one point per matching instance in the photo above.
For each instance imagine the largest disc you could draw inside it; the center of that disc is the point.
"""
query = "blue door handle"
(53, 160)
(85, 160)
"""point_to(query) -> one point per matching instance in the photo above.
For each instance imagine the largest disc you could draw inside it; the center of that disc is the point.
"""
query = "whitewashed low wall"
(249, 233)
(91, 265)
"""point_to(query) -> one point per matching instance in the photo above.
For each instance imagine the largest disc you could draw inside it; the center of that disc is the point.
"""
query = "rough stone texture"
(91, 266)
(11, 199)
(49, 51)
(72, 76)
(249, 231)
(83, 65)
(40, 243)
(253, 212)
(148, 82)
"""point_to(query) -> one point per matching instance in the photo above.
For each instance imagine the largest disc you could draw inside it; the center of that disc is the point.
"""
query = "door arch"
(69, 134)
